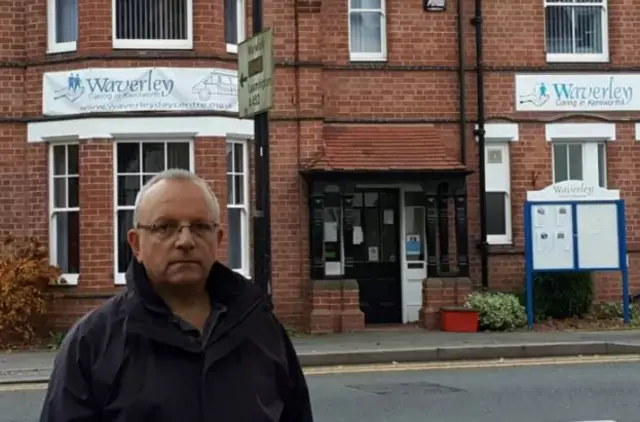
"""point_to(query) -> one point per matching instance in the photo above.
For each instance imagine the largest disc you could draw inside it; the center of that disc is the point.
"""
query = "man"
(190, 340)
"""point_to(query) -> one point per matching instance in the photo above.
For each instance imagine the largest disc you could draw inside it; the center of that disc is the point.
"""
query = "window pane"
(128, 187)
(72, 159)
(66, 20)
(124, 223)
(153, 157)
(60, 192)
(178, 155)
(67, 241)
(151, 19)
(59, 160)
(366, 32)
(238, 158)
(234, 230)
(239, 190)
(231, 21)
(559, 29)
(366, 4)
(332, 234)
(230, 196)
(229, 157)
(496, 213)
(575, 162)
(588, 29)
(414, 233)
(74, 193)
(128, 157)
(560, 170)
(602, 166)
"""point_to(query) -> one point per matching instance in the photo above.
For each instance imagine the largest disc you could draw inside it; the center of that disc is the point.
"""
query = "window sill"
(577, 58)
(374, 58)
(153, 44)
(65, 47)
(232, 48)
(66, 280)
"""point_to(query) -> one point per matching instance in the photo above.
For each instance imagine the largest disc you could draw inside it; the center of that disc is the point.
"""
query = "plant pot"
(459, 320)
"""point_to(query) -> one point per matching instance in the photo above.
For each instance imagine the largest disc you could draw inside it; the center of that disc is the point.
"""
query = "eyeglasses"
(173, 229)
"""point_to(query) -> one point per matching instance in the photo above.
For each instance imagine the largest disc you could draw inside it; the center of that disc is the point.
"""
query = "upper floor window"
(62, 21)
(367, 30)
(153, 24)
(576, 31)
(233, 24)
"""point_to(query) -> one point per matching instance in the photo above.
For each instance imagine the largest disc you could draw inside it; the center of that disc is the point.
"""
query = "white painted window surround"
(576, 31)
(64, 209)
(62, 26)
(234, 24)
(160, 129)
(579, 151)
(498, 136)
(367, 20)
(238, 193)
(152, 24)
(637, 131)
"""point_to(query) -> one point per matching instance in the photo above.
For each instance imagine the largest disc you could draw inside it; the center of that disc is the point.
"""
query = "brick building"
(374, 166)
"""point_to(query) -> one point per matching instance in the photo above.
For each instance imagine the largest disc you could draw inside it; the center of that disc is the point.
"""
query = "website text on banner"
(116, 90)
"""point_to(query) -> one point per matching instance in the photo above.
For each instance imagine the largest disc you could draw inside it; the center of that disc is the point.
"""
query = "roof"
(384, 148)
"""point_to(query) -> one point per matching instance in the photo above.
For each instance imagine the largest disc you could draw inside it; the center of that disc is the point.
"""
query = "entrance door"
(376, 254)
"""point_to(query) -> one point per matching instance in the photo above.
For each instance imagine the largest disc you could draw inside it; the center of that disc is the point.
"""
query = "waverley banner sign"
(578, 92)
(120, 90)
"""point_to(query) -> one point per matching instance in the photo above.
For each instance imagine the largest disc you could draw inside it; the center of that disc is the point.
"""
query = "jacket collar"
(223, 285)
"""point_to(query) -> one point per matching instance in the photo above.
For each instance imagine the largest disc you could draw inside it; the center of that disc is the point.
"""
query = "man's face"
(178, 236)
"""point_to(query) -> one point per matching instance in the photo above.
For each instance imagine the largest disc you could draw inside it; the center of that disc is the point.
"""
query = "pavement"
(395, 346)
(596, 391)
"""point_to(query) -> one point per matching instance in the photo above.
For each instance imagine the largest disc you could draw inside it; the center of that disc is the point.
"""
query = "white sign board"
(116, 90)
(577, 92)
(255, 73)
(553, 235)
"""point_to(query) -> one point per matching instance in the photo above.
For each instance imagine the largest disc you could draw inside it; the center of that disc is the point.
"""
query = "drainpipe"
(462, 83)
(480, 133)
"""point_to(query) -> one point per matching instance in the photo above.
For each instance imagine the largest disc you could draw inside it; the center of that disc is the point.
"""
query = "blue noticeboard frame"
(574, 204)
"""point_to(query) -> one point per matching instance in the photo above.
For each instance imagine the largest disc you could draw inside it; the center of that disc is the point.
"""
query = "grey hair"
(182, 175)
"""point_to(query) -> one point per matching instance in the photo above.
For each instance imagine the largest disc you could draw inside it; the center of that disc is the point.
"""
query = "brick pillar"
(351, 318)
(438, 293)
(335, 307)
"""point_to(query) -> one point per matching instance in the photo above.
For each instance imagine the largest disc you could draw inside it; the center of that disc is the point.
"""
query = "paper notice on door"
(330, 231)
(388, 216)
(373, 254)
(357, 235)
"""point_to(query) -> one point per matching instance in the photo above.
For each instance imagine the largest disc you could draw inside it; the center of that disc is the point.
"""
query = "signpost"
(574, 226)
(255, 74)
(255, 98)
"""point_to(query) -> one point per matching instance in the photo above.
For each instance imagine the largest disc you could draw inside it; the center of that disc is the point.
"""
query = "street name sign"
(255, 74)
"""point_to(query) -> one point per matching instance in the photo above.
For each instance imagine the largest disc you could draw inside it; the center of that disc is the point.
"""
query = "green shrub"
(611, 310)
(562, 295)
(497, 311)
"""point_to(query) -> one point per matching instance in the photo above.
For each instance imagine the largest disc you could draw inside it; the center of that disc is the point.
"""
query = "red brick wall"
(418, 83)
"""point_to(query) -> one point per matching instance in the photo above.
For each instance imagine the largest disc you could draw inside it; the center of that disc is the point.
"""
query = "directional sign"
(255, 74)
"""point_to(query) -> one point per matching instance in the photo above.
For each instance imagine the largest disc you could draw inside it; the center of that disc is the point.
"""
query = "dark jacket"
(130, 361)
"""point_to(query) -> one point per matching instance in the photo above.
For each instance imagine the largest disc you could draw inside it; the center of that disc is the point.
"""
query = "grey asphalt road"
(569, 393)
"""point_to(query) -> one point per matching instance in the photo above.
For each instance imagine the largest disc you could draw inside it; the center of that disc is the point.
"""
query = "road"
(554, 393)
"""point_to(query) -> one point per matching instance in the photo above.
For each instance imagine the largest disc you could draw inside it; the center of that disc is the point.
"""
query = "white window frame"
(153, 44)
(120, 277)
(500, 186)
(52, 45)
(69, 278)
(233, 48)
(589, 135)
(245, 221)
(590, 160)
(582, 58)
(370, 57)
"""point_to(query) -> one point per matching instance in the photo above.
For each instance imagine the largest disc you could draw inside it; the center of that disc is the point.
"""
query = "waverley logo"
(570, 190)
(605, 95)
(148, 85)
